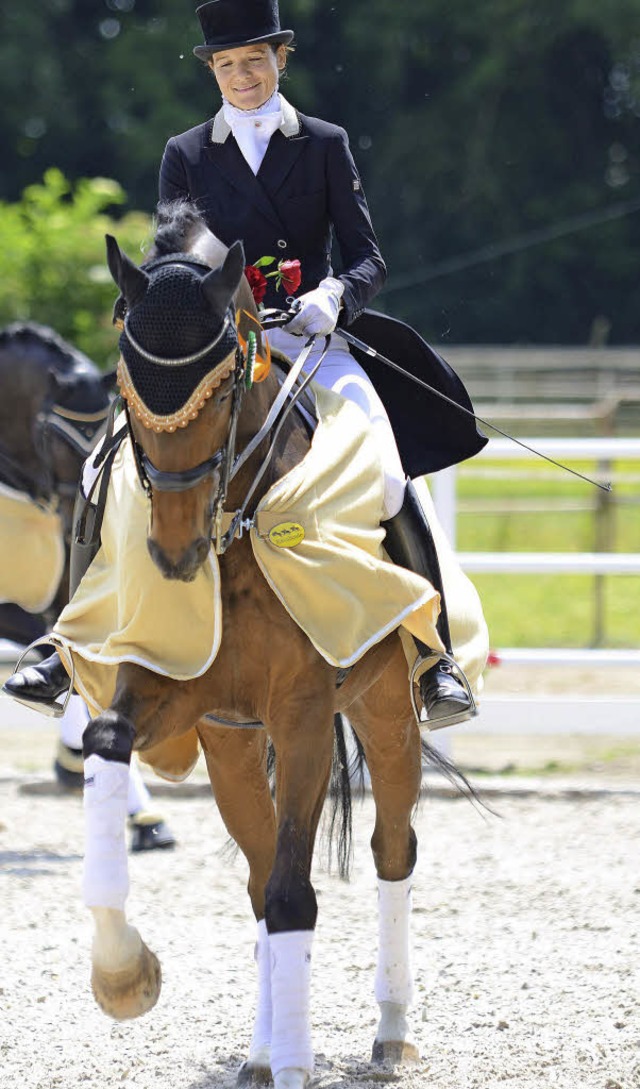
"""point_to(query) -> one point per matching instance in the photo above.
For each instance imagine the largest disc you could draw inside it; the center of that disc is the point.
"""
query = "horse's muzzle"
(187, 566)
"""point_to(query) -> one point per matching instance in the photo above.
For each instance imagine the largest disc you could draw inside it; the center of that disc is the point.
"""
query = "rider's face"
(248, 76)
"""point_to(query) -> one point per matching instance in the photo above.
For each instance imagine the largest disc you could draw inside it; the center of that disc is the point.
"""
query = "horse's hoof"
(292, 1077)
(394, 1051)
(253, 1074)
(131, 991)
(150, 834)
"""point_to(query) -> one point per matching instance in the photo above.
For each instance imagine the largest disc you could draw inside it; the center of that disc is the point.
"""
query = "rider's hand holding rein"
(317, 311)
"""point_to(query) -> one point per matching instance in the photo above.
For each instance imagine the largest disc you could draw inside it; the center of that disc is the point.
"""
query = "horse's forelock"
(179, 227)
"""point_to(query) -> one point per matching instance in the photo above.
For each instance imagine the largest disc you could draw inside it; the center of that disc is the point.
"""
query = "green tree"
(53, 268)
(475, 128)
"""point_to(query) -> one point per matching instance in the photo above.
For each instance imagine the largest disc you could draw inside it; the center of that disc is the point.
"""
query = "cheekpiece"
(175, 351)
(227, 24)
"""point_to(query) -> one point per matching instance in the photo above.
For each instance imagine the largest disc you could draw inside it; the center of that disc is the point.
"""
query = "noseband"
(180, 481)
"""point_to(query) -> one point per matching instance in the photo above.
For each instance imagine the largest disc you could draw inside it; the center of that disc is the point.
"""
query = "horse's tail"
(452, 773)
(347, 771)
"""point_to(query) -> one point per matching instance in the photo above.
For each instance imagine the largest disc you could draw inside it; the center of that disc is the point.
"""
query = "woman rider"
(281, 182)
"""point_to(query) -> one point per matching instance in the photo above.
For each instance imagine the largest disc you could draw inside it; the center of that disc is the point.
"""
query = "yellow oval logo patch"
(286, 534)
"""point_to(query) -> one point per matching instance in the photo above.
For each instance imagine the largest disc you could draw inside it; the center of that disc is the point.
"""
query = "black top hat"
(227, 24)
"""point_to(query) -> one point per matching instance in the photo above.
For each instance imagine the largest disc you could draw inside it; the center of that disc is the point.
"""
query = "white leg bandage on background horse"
(290, 986)
(261, 1040)
(73, 722)
(106, 878)
(394, 980)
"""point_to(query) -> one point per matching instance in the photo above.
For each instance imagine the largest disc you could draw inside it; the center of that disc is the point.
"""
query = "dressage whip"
(349, 337)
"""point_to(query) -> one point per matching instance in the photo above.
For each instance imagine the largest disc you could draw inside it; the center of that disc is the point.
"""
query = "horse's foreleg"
(392, 747)
(236, 762)
(125, 973)
(303, 764)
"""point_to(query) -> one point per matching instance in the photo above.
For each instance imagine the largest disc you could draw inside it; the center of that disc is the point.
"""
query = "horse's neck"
(23, 388)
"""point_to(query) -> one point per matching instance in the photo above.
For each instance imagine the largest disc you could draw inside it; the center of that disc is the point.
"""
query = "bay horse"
(266, 671)
(54, 403)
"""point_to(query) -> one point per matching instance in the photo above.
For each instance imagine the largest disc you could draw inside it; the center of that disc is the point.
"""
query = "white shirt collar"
(290, 126)
(272, 108)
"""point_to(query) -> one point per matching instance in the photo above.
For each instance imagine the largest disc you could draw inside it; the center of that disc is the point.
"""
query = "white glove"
(319, 309)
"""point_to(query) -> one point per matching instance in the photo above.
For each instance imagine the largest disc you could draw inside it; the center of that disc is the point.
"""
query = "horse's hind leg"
(236, 762)
(384, 722)
(125, 976)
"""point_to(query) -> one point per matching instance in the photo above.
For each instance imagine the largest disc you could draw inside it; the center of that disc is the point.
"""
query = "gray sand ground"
(527, 934)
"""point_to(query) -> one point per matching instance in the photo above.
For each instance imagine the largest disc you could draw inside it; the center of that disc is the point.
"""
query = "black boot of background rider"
(39, 686)
(409, 543)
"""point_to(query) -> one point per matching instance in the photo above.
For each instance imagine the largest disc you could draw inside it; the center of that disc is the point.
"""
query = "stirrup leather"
(447, 720)
(53, 710)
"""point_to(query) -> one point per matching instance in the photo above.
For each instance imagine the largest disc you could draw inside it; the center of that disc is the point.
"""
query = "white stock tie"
(252, 129)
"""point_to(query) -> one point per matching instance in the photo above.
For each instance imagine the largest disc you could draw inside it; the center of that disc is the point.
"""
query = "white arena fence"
(603, 450)
(443, 489)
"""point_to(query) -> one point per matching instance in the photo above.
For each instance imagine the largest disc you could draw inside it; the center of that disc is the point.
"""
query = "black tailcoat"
(306, 188)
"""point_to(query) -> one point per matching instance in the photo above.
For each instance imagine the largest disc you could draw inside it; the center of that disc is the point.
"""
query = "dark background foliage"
(498, 142)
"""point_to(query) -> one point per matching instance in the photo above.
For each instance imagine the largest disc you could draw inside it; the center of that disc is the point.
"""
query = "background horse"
(53, 407)
(179, 315)
(54, 403)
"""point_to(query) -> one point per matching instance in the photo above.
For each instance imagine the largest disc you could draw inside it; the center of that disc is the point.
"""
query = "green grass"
(551, 610)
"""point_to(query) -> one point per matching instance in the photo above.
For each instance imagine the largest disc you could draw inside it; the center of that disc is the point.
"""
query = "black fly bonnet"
(178, 341)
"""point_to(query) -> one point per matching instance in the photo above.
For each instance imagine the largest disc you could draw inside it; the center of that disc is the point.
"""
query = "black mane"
(29, 337)
(176, 222)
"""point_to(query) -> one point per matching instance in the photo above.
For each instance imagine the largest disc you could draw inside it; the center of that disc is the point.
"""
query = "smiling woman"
(248, 76)
(285, 184)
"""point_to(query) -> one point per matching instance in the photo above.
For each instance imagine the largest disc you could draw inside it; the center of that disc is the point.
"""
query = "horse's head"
(180, 374)
(53, 408)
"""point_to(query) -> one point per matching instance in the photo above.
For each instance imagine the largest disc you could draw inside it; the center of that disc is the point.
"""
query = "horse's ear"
(131, 280)
(220, 285)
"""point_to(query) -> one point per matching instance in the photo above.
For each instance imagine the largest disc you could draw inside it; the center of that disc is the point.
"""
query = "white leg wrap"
(106, 878)
(73, 722)
(290, 987)
(261, 1040)
(394, 980)
(138, 798)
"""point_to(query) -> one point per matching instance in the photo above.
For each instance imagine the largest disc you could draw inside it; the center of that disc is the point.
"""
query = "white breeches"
(340, 372)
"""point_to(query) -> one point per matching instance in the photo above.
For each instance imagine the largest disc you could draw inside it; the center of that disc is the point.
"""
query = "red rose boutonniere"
(257, 283)
(287, 275)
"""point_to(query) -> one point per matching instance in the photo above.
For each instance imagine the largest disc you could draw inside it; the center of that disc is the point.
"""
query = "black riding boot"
(39, 686)
(409, 543)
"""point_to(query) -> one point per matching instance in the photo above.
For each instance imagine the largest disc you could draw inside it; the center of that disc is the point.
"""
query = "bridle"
(181, 480)
(77, 430)
(224, 460)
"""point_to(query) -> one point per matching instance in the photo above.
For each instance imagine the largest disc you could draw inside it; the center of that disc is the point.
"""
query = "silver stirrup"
(456, 716)
(53, 710)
